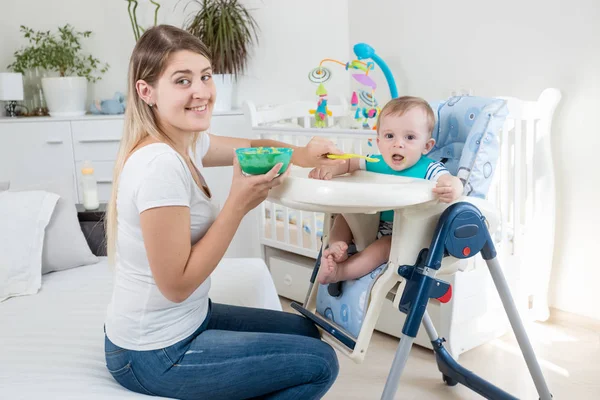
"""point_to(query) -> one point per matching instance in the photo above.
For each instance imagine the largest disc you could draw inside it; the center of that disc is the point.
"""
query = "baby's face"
(403, 139)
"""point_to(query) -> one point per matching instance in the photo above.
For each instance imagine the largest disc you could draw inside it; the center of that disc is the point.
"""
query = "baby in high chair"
(404, 138)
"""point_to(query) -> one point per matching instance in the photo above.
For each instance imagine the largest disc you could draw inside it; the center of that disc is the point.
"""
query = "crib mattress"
(52, 343)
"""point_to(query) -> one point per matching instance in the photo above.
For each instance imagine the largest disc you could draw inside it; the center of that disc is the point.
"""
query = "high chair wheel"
(449, 381)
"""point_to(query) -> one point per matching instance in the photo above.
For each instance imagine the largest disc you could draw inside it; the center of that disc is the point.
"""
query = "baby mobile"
(364, 105)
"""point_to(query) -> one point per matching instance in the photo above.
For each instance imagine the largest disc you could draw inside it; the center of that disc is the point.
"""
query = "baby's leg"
(339, 238)
(358, 265)
(367, 260)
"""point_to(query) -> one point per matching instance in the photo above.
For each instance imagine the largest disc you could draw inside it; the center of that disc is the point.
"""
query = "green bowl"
(260, 160)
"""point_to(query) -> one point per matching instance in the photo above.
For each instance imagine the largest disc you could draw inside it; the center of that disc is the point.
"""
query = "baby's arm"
(326, 173)
(449, 188)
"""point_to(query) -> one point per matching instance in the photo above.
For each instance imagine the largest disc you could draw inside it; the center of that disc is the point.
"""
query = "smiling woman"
(165, 237)
(172, 93)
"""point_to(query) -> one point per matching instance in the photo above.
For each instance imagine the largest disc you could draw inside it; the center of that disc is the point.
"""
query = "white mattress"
(52, 343)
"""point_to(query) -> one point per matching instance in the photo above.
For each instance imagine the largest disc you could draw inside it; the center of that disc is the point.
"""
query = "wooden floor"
(568, 349)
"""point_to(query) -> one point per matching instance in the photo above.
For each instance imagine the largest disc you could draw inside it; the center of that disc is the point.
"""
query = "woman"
(165, 236)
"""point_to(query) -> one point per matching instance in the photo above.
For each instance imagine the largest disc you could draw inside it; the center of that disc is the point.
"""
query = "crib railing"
(524, 192)
(303, 236)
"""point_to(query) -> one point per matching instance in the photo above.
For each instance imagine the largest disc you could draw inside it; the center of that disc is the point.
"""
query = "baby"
(404, 138)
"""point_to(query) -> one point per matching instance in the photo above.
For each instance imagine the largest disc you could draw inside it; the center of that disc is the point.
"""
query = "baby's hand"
(322, 173)
(448, 188)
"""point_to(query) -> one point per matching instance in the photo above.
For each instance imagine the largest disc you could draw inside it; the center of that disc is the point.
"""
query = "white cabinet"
(38, 153)
(49, 153)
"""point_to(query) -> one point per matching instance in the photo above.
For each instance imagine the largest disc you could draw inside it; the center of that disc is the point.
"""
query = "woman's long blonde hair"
(148, 61)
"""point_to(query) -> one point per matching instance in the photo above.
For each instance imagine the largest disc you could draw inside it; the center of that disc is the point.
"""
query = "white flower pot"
(65, 97)
(224, 86)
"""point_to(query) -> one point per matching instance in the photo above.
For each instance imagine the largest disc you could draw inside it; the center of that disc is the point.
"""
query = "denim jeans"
(237, 353)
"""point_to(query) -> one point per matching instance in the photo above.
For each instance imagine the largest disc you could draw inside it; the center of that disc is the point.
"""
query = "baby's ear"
(429, 145)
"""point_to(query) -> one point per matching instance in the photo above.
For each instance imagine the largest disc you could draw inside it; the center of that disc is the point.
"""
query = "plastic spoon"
(349, 155)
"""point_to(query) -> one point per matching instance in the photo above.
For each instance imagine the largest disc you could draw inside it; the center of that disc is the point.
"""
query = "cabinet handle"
(102, 140)
(54, 141)
(104, 181)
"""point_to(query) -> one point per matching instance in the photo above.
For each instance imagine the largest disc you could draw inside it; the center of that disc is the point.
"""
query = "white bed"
(52, 343)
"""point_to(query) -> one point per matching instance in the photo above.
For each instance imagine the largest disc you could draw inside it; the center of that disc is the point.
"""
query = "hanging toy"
(367, 111)
(364, 108)
(319, 75)
(351, 119)
(354, 99)
(322, 112)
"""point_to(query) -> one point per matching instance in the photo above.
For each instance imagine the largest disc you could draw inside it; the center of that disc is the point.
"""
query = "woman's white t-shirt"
(139, 317)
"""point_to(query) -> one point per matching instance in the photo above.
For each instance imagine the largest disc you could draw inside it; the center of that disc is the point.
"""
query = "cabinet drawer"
(291, 279)
(103, 171)
(96, 140)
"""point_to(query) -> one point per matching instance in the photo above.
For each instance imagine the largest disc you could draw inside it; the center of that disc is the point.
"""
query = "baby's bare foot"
(327, 270)
(339, 251)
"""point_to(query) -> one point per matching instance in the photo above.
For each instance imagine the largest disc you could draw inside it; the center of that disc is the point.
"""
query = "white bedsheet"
(52, 343)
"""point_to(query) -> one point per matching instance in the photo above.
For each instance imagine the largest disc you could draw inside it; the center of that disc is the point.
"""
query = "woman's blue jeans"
(237, 353)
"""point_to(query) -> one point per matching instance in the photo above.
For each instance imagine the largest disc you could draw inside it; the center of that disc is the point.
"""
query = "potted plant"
(60, 53)
(132, 6)
(228, 30)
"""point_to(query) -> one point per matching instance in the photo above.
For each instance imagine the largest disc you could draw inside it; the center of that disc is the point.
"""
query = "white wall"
(514, 48)
(293, 38)
(111, 41)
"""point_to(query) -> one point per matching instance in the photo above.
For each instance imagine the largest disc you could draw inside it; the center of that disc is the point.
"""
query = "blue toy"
(116, 105)
(363, 52)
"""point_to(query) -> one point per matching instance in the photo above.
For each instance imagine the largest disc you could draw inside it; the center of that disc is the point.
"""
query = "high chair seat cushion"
(348, 310)
(467, 133)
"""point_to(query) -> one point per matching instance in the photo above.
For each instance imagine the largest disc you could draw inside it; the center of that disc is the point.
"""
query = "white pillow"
(24, 217)
(64, 245)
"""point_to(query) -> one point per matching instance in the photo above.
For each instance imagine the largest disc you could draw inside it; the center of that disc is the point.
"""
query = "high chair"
(429, 238)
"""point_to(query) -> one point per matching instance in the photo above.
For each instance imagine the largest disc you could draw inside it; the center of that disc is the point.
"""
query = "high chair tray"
(359, 192)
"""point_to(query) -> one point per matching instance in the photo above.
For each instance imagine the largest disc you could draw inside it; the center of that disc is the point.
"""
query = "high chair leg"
(313, 277)
(400, 359)
(453, 373)
(518, 329)
(421, 286)
(462, 233)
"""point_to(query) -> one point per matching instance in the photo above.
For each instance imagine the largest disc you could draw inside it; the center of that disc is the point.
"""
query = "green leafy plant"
(59, 52)
(132, 10)
(228, 30)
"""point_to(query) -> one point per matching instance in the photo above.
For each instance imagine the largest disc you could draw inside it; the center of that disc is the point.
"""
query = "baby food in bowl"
(260, 160)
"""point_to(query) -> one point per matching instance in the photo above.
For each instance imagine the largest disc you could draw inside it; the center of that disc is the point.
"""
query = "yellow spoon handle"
(349, 155)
